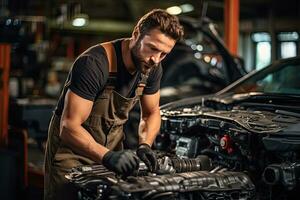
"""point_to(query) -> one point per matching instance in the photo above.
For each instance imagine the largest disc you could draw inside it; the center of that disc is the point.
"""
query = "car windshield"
(282, 78)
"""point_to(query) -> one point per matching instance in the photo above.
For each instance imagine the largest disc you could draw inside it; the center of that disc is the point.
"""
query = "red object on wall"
(4, 95)
(231, 16)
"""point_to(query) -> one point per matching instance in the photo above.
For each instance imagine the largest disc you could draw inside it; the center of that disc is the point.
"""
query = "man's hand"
(121, 162)
(146, 154)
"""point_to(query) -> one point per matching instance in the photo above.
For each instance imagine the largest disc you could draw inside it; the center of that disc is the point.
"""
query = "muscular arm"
(150, 120)
(72, 134)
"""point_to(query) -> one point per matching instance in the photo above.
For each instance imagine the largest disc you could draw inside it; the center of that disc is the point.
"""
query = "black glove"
(146, 154)
(121, 162)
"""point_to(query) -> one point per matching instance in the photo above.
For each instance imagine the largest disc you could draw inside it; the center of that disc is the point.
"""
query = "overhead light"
(206, 59)
(176, 10)
(187, 8)
(80, 20)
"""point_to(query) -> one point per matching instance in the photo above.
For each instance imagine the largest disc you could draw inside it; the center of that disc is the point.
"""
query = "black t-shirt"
(89, 74)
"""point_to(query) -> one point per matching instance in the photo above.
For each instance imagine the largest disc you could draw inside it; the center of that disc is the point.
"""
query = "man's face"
(148, 51)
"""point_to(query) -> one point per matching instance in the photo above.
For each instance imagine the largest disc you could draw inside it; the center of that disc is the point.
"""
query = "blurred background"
(40, 39)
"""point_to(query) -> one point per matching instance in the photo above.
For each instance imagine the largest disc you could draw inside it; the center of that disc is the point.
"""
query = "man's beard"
(141, 64)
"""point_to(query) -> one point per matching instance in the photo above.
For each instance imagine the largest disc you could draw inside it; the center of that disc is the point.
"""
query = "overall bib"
(105, 124)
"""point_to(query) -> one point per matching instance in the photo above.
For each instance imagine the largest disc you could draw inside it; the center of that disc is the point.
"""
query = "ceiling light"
(186, 8)
(80, 20)
(174, 10)
(206, 59)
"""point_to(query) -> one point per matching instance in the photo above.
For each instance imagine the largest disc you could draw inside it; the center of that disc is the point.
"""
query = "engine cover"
(96, 182)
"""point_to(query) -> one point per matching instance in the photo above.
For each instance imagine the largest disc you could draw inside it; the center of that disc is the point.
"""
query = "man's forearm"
(149, 127)
(81, 142)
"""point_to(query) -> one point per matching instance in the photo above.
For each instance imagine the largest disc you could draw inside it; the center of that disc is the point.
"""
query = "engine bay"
(261, 143)
(208, 153)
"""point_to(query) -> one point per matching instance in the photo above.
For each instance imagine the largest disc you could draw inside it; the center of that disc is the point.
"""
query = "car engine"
(176, 179)
(209, 153)
(260, 143)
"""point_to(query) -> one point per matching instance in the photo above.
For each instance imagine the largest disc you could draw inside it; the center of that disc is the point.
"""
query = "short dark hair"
(165, 22)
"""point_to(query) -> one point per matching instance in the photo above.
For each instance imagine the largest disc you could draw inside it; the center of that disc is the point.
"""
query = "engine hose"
(186, 165)
(178, 165)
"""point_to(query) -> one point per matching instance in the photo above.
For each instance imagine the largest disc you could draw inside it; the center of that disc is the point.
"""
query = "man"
(103, 85)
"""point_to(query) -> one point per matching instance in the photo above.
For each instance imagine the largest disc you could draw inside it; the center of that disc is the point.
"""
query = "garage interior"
(39, 41)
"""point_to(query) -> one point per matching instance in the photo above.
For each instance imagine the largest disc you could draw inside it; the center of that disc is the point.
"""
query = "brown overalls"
(105, 124)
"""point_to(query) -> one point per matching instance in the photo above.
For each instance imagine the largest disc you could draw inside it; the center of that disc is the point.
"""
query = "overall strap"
(111, 56)
(112, 64)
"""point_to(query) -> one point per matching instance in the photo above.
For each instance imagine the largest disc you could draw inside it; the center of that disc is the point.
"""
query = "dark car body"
(199, 64)
(251, 126)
